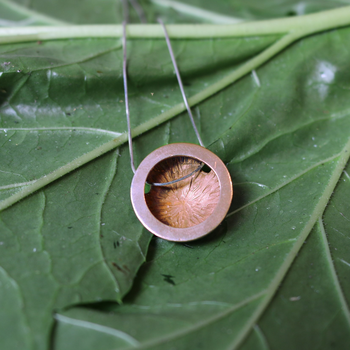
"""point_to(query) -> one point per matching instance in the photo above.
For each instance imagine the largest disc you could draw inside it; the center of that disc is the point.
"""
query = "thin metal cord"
(177, 180)
(180, 82)
(125, 7)
(127, 100)
(139, 11)
(128, 111)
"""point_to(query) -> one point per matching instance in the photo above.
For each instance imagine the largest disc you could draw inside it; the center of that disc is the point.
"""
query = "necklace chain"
(183, 96)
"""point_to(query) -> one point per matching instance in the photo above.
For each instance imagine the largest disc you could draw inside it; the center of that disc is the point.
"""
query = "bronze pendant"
(188, 209)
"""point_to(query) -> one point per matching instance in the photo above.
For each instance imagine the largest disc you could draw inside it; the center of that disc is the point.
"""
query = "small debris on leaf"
(169, 279)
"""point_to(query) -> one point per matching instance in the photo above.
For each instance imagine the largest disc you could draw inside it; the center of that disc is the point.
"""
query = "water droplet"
(293, 227)
(34, 250)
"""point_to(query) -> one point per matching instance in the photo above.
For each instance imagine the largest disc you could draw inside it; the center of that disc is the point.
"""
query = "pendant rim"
(170, 233)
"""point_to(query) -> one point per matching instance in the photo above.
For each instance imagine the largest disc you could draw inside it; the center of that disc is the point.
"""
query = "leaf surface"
(282, 130)
(110, 11)
(318, 281)
(286, 152)
(61, 101)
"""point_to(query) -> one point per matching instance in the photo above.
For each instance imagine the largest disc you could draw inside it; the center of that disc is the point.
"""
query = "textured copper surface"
(188, 202)
(196, 220)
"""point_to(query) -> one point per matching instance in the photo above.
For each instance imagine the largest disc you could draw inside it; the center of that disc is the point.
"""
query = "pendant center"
(187, 209)
(185, 203)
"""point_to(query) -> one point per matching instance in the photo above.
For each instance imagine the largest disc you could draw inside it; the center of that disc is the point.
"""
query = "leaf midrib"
(309, 24)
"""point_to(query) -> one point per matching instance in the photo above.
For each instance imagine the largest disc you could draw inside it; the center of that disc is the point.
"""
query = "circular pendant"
(188, 209)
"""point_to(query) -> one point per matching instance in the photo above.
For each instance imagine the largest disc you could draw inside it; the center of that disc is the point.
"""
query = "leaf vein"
(344, 305)
(98, 328)
(285, 183)
(204, 323)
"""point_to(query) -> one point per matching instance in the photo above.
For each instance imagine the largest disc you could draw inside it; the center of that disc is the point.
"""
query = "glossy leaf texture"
(286, 142)
(283, 132)
(60, 101)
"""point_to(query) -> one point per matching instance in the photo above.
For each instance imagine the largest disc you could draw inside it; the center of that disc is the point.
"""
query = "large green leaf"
(61, 102)
(282, 130)
(286, 152)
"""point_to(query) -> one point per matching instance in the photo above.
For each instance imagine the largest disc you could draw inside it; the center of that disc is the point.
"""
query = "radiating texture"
(185, 203)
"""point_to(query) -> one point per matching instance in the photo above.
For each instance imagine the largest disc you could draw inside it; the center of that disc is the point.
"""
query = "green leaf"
(68, 235)
(212, 303)
(286, 151)
(60, 105)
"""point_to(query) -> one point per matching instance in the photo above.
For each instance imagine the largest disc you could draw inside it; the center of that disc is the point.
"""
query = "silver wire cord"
(177, 180)
(183, 96)
(127, 100)
(180, 81)
(125, 8)
(139, 11)
(187, 107)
